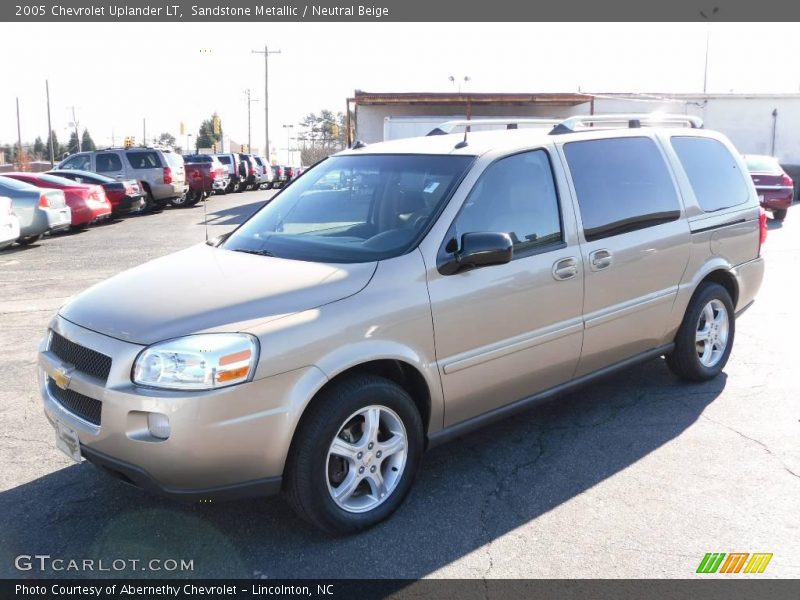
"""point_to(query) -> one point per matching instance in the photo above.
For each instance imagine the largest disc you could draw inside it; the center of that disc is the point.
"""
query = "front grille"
(84, 359)
(84, 407)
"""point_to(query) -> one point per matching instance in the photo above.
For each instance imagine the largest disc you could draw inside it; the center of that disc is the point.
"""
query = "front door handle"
(566, 268)
(600, 259)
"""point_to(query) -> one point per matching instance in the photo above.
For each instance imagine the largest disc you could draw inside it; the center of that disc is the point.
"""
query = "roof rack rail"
(511, 123)
(627, 120)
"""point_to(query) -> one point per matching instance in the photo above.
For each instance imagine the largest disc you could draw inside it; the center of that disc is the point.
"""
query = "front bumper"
(223, 443)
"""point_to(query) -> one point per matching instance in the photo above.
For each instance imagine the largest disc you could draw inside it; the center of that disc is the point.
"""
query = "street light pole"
(19, 139)
(288, 129)
(266, 52)
(707, 18)
(49, 126)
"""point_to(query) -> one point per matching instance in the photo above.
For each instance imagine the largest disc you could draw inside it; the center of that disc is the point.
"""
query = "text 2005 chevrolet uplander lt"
(398, 295)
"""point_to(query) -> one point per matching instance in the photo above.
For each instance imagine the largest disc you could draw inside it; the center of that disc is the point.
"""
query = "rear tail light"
(167, 175)
(762, 228)
(44, 202)
(213, 174)
(252, 170)
(787, 181)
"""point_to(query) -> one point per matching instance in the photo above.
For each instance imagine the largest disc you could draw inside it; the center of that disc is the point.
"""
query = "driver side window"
(515, 195)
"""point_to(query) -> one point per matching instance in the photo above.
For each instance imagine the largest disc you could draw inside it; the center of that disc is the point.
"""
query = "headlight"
(197, 362)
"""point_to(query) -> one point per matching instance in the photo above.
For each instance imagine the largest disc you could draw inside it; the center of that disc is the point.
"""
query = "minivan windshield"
(353, 208)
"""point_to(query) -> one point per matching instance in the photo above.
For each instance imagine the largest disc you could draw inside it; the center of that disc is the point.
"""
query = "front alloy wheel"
(366, 459)
(354, 455)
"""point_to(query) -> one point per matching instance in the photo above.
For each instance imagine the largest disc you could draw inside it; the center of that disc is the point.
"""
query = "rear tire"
(705, 338)
(29, 239)
(779, 214)
(379, 463)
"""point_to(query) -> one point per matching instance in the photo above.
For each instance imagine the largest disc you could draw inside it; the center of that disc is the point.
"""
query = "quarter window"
(144, 160)
(515, 195)
(622, 184)
(107, 162)
(713, 173)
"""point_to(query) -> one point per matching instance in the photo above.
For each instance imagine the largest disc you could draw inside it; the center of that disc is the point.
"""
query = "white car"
(9, 223)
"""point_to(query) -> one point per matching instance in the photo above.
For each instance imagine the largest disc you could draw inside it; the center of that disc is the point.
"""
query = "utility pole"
(19, 139)
(75, 124)
(49, 126)
(144, 131)
(266, 52)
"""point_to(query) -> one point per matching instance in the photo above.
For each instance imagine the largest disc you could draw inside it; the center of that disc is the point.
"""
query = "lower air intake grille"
(82, 406)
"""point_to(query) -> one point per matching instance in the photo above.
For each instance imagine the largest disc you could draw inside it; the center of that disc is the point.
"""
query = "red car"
(125, 196)
(775, 188)
(87, 202)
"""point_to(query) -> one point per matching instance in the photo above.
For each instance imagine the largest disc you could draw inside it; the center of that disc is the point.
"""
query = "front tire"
(705, 338)
(355, 454)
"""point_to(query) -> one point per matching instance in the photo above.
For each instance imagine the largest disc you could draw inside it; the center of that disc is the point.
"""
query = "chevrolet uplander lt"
(400, 294)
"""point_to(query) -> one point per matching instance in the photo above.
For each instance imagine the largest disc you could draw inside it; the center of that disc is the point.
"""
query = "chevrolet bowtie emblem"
(62, 376)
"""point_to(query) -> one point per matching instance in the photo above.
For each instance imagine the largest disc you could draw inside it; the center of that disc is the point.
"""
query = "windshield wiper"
(258, 252)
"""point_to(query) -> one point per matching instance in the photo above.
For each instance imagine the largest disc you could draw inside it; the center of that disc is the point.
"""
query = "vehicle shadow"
(774, 224)
(235, 215)
(469, 493)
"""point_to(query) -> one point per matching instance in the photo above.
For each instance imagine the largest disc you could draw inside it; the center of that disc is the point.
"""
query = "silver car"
(402, 294)
(39, 210)
(9, 223)
(161, 171)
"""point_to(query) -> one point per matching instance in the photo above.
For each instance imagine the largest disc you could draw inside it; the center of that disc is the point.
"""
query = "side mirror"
(479, 249)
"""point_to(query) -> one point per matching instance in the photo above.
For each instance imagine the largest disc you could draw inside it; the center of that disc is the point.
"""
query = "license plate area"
(67, 441)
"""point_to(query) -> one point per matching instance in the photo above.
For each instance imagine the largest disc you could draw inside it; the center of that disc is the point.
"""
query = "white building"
(756, 123)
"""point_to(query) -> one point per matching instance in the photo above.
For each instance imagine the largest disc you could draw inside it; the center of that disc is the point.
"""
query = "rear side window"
(144, 160)
(713, 173)
(108, 161)
(622, 184)
(80, 162)
(226, 160)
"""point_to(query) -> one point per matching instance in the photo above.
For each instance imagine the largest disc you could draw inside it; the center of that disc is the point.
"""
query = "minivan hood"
(204, 288)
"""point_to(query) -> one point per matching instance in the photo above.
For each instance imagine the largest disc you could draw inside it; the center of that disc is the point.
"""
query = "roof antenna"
(463, 143)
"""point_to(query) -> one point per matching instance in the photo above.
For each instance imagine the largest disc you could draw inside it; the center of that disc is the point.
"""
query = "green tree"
(58, 149)
(87, 143)
(8, 151)
(39, 149)
(72, 144)
(167, 139)
(322, 134)
(206, 137)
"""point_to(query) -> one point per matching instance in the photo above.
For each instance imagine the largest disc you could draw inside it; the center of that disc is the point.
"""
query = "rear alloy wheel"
(355, 455)
(180, 200)
(705, 338)
(779, 214)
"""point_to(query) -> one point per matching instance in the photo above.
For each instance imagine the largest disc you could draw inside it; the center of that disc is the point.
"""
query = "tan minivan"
(398, 295)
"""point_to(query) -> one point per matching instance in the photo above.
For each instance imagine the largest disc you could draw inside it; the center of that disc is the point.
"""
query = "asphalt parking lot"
(637, 476)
